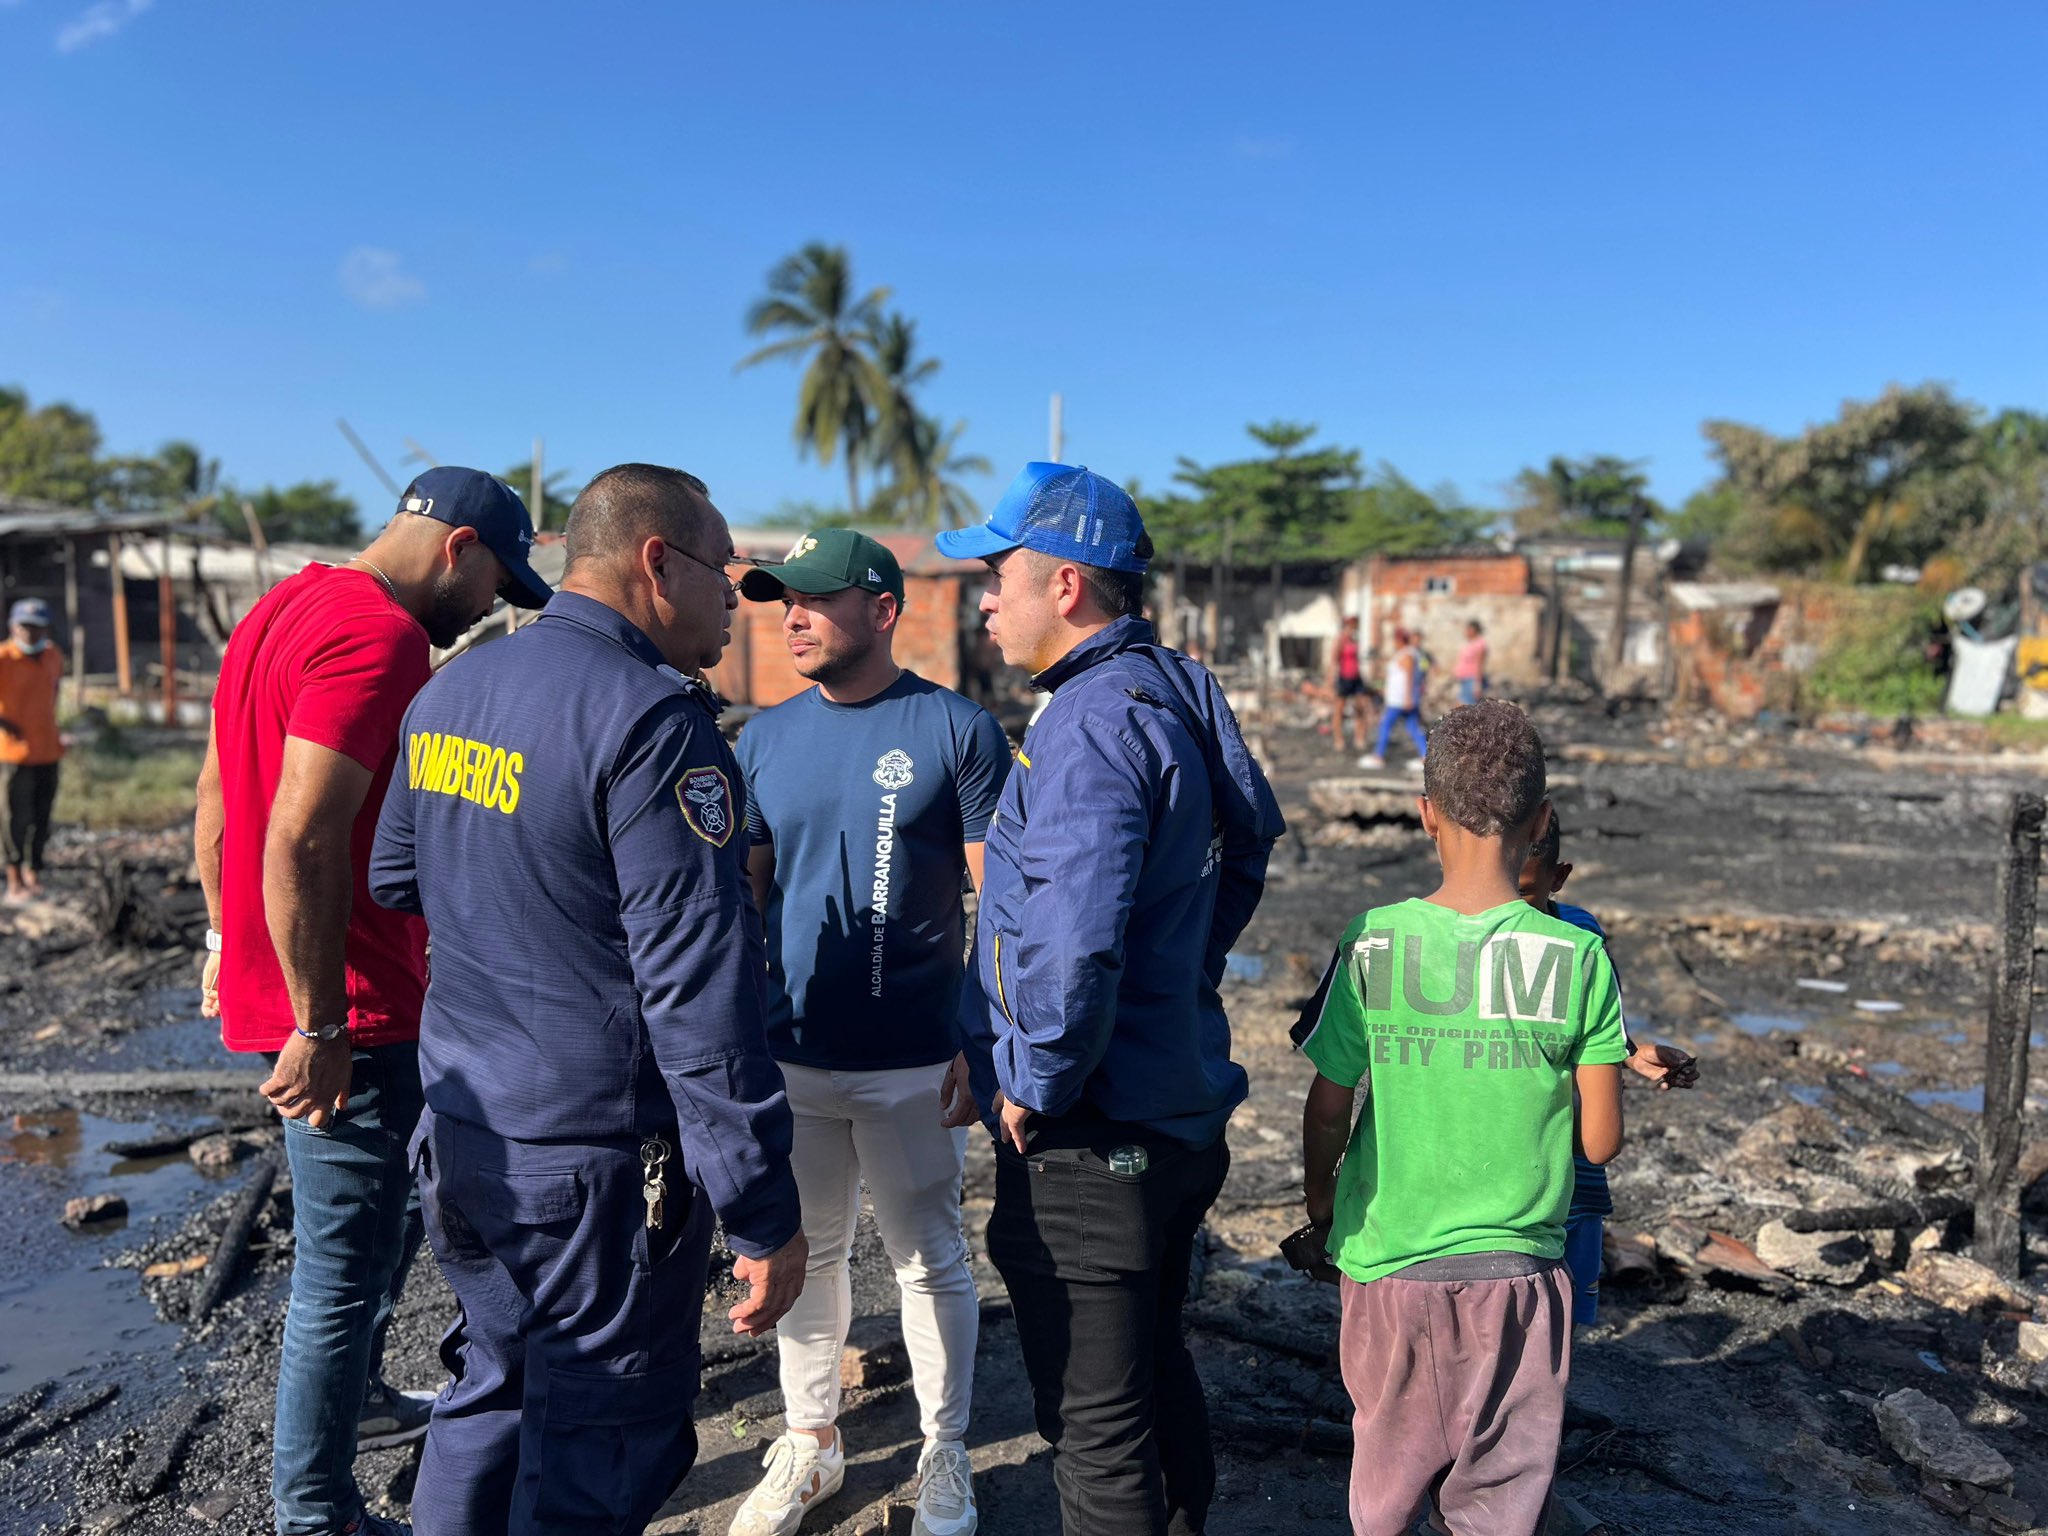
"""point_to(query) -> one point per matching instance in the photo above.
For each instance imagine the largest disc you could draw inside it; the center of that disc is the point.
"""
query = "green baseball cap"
(827, 560)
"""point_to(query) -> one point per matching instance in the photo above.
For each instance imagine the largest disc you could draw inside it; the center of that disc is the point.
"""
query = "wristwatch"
(324, 1034)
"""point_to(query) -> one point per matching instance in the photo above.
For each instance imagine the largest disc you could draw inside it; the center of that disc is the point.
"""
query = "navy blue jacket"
(1127, 854)
(571, 824)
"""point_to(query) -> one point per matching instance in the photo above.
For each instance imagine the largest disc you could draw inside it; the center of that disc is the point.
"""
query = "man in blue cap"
(1127, 854)
(571, 825)
(305, 968)
(31, 670)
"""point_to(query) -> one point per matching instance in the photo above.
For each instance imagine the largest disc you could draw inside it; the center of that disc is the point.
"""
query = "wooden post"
(167, 632)
(124, 676)
(1554, 624)
(1618, 641)
(2005, 1043)
(73, 626)
(258, 543)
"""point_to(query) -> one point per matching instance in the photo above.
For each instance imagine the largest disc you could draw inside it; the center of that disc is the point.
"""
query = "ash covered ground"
(1717, 1394)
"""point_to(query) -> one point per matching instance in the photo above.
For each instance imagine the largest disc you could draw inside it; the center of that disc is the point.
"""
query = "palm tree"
(936, 499)
(898, 442)
(810, 300)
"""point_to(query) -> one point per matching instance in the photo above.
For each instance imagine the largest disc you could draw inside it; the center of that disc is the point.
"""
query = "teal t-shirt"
(1467, 1030)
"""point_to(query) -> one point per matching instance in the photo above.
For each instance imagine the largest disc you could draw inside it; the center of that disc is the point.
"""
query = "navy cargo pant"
(575, 1353)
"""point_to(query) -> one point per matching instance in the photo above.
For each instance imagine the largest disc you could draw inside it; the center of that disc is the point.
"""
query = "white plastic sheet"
(1977, 675)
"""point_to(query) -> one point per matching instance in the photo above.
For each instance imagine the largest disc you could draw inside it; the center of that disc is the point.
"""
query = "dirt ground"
(1728, 866)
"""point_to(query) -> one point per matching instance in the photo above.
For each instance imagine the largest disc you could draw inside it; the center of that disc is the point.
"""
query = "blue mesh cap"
(1059, 510)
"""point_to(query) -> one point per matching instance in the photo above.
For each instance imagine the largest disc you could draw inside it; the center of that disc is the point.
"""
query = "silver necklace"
(390, 587)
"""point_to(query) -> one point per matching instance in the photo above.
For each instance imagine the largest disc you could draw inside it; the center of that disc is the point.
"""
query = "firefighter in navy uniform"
(567, 819)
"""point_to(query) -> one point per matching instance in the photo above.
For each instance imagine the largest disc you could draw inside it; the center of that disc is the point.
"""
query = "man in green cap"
(867, 798)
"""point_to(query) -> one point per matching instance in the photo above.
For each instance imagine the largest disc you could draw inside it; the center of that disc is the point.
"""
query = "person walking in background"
(31, 670)
(868, 797)
(1402, 703)
(307, 969)
(1470, 671)
(1348, 691)
(596, 1072)
(1128, 852)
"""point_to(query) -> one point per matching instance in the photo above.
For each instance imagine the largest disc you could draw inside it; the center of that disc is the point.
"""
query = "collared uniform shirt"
(570, 822)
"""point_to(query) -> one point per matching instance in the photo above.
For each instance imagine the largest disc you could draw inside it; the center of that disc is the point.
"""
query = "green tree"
(936, 498)
(1709, 513)
(1890, 479)
(1279, 508)
(806, 514)
(49, 454)
(811, 304)
(902, 437)
(1588, 498)
(177, 478)
(1391, 515)
(557, 496)
(311, 512)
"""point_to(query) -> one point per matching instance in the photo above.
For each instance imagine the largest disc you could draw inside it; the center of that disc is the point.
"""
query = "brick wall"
(1493, 575)
(756, 668)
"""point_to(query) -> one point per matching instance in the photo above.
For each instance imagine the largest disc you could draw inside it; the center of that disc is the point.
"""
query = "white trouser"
(882, 1127)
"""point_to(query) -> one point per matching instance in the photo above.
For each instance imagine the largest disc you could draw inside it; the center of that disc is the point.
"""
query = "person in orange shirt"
(30, 670)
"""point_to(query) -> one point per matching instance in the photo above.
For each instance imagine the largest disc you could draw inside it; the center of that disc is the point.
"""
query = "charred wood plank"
(234, 1238)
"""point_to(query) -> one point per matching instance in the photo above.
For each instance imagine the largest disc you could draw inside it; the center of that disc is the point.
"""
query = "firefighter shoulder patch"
(706, 799)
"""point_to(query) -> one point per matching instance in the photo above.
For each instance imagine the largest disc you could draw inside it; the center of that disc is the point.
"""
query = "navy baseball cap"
(1059, 510)
(469, 498)
(32, 611)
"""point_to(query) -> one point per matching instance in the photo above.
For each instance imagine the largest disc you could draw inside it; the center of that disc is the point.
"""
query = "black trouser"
(31, 794)
(1097, 1266)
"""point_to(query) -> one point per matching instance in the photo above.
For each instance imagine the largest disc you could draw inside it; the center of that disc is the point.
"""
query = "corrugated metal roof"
(25, 517)
(1705, 596)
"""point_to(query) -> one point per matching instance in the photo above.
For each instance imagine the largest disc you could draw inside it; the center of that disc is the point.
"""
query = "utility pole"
(1617, 641)
(1058, 424)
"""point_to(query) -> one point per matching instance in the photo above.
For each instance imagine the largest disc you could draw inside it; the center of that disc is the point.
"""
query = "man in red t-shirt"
(307, 969)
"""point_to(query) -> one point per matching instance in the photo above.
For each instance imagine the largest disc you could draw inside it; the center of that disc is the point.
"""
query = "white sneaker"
(801, 1475)
(1372, 760)
(945, 1491)
(1413, 765)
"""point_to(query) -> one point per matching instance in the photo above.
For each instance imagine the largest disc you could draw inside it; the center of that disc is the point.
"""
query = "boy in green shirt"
(1471, 1017)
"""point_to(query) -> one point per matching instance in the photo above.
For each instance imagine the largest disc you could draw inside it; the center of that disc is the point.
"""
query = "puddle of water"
(60, 1323)
(1887, 1069)
(1244, 967)
(1768, 1023)
(72, 1313)
(1807, 1094)
(1970, 1100)
(1959, 1038)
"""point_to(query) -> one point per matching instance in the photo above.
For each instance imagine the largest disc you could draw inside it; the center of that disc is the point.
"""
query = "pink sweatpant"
(1456, 1386)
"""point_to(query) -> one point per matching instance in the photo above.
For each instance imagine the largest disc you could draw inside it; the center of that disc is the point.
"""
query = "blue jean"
(356, 1226)
(1584, 1244)
(1468, 690)
(1410, 717)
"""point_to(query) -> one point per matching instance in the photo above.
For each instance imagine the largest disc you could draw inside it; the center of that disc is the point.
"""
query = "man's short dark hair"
(1118, 593)
(630, 503)
(1484, 770)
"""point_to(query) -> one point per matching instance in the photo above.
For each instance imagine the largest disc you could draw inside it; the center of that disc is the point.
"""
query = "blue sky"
(1460, 238)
